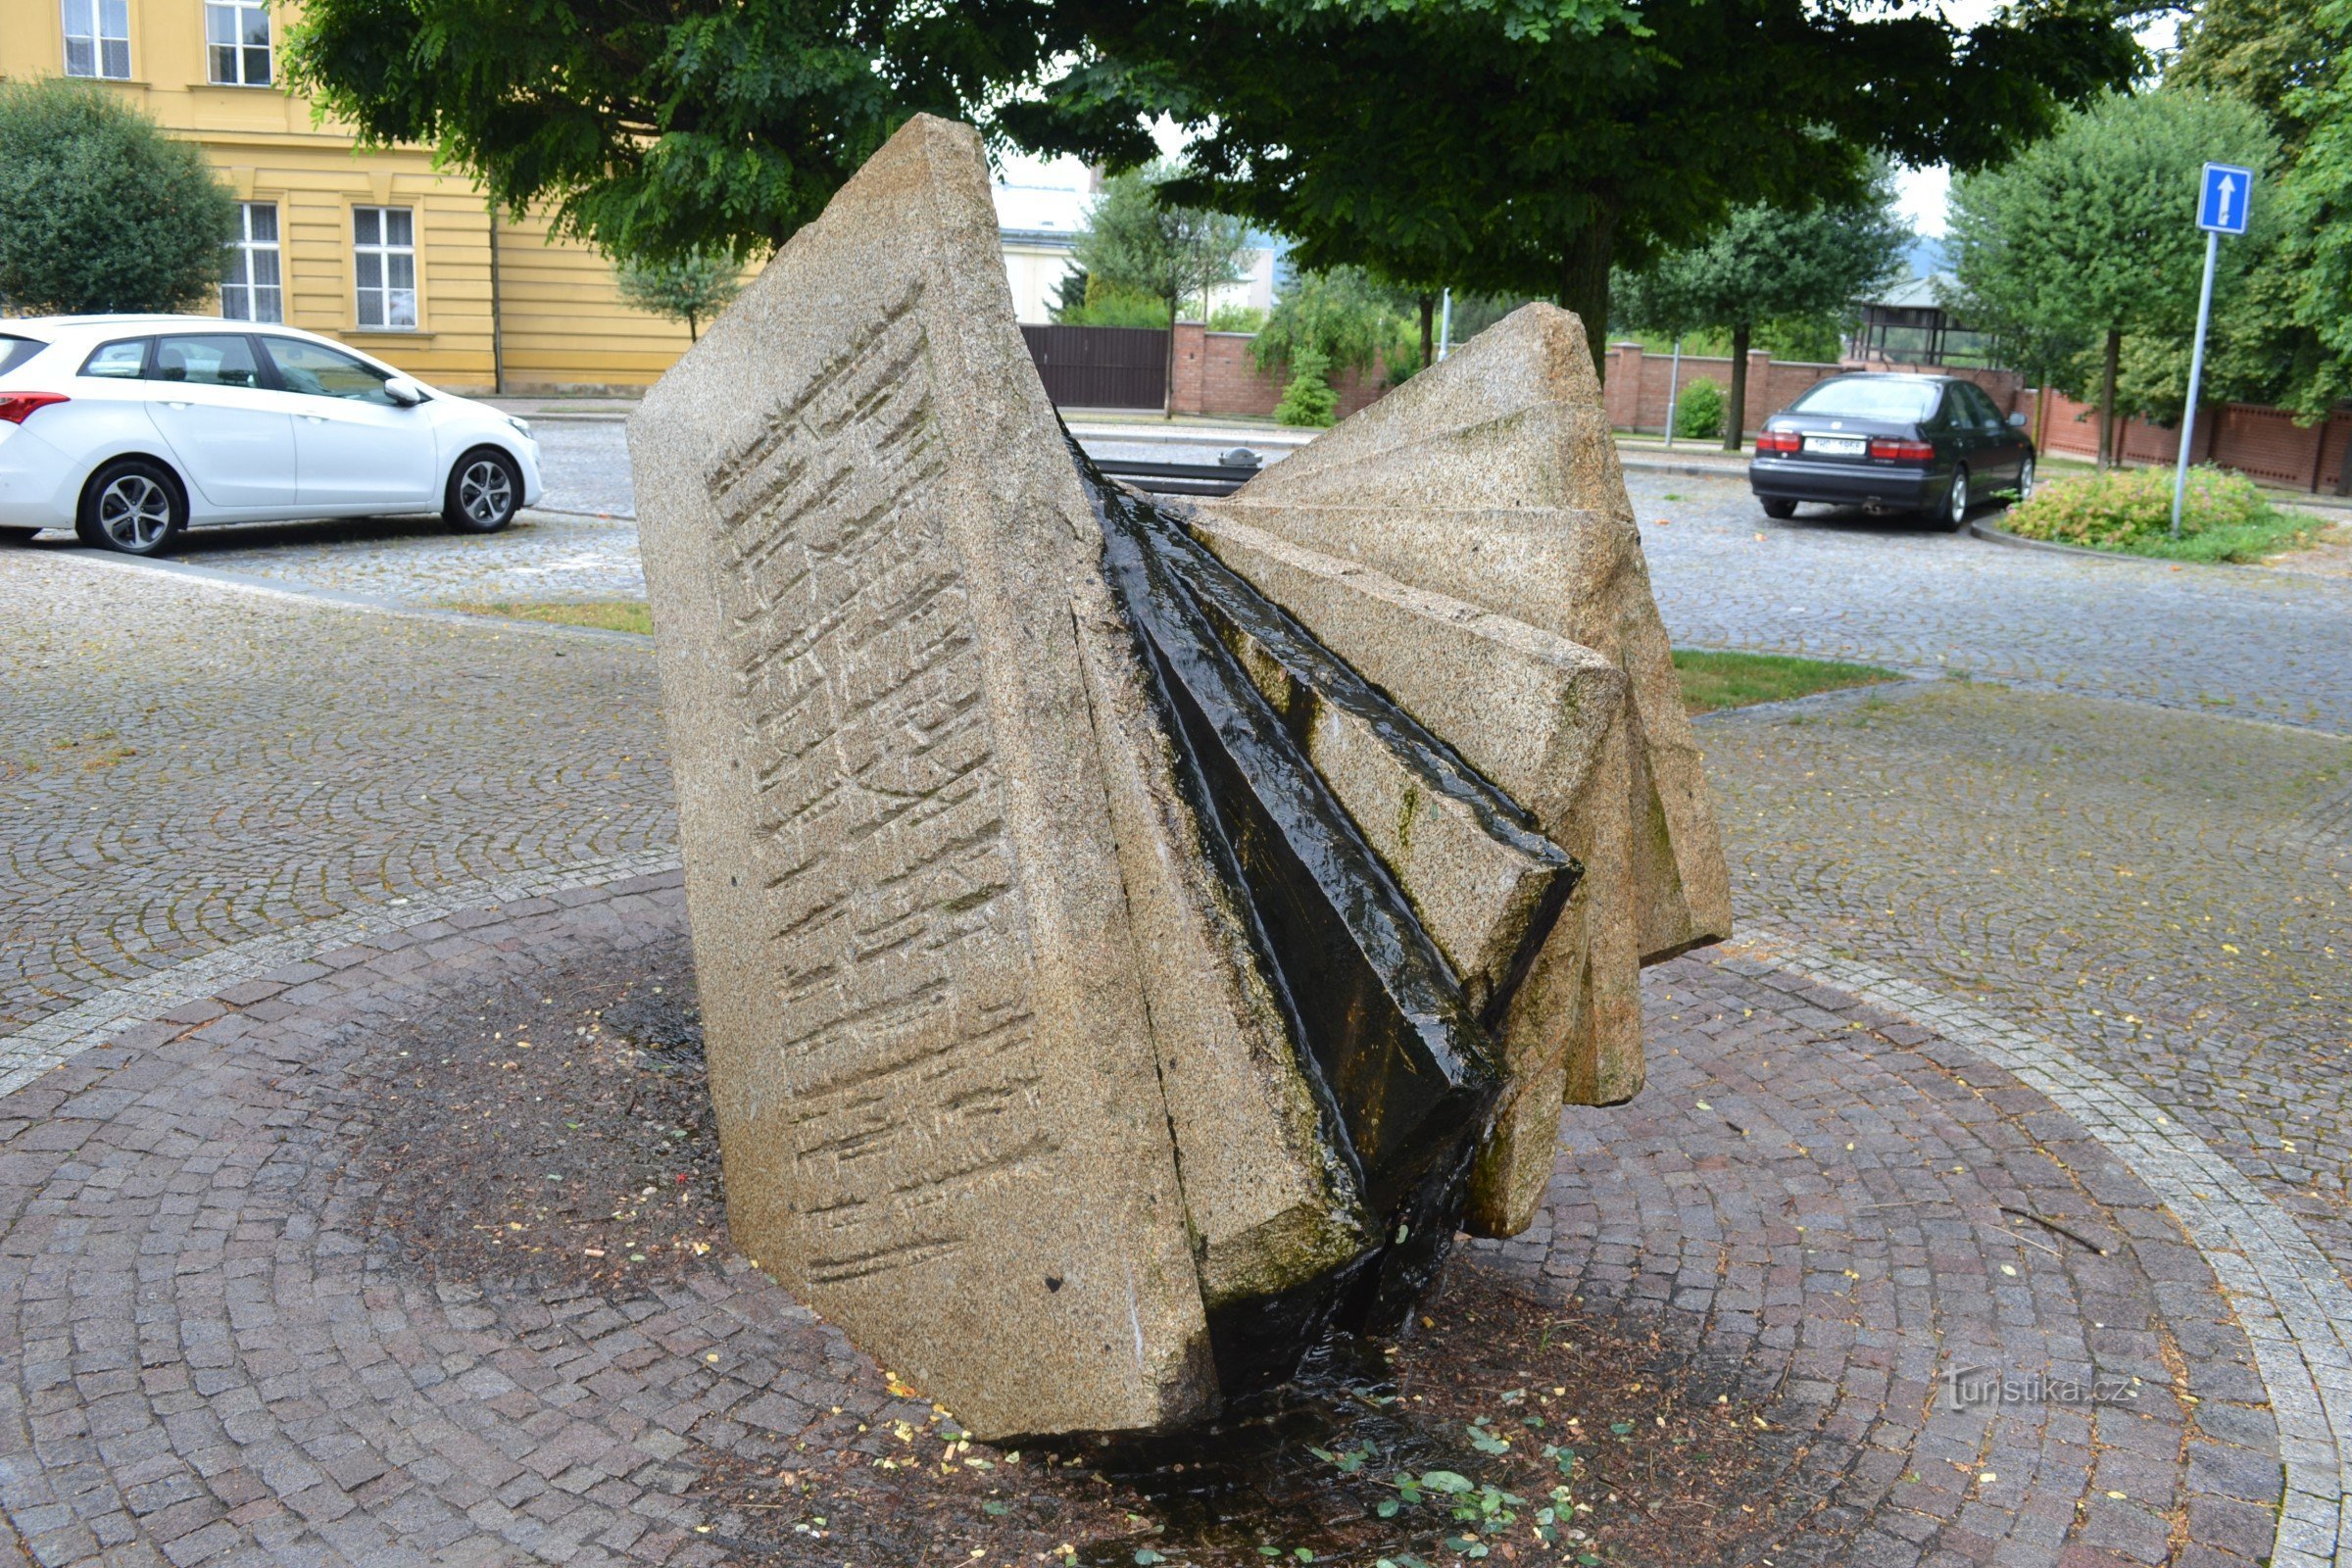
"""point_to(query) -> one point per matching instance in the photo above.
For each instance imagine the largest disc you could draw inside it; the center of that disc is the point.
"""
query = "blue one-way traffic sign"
(2222, 208)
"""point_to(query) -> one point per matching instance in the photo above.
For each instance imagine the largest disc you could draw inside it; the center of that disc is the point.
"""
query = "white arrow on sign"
(2229, 190)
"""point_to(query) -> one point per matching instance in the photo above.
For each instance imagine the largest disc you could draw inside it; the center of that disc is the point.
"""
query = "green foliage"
(1069, 295)
(1106, 305)
(99, 210)
(1698, 410)
(2315, 196)
(2263, 53)
(1441, 143)
(2225, 517)
(1137, 243)
(2087, 237)
(1798, 269)
(1308, 399)
(1237, 319)
(653, 128)
(692, 288)
(1347, 316)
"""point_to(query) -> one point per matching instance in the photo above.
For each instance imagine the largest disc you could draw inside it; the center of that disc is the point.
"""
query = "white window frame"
(385, 296)
(242, 293)
(106, 55)
(238, 13)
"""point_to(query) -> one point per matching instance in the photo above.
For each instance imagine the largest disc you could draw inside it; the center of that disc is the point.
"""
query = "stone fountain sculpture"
(1133, 940)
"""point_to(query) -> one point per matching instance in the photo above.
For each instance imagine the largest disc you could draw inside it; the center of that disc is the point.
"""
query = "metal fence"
(1101, 367)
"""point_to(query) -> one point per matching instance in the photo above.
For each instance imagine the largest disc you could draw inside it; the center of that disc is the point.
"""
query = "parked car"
(1934, 444)
(129, 428)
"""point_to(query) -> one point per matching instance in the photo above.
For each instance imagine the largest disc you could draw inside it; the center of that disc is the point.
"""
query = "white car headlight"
(522, 427)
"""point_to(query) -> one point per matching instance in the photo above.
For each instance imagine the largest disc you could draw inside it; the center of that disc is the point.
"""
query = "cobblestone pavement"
(1856, 1213)
(202, 783)
(2166, 894)
(2252, 643)
(415, 560)
(217, 1357)
(185, 767)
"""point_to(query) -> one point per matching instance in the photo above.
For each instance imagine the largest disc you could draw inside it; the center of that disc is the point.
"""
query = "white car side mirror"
(2017, 420)
(403, 391)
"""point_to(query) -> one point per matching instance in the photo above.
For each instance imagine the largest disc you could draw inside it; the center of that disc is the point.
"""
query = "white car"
(129, 428)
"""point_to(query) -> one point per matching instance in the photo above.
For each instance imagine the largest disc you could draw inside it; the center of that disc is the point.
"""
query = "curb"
(1643, 463)
(2293, 1304)
(2002, 536)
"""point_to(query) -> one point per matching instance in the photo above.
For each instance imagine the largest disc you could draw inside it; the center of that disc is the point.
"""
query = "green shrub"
(2224, 517)
(1108, 305)
(1237, 319)
(1308, 399)
(1699, 412)
(99, 210)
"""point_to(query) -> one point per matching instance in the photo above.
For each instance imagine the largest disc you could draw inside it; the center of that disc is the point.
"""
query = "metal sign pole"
(2196, 376)
(1446, 328)
(1674, 384)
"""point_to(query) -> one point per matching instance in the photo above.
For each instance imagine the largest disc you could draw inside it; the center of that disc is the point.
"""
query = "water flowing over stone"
(1133, 940)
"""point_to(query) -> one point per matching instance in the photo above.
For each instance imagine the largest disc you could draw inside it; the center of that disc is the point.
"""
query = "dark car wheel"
(2025, 480)
(1956, 502)
(485, 489)
(133, 506)
(1777, 507)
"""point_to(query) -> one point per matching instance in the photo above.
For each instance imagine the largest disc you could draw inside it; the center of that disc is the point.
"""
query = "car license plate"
(1838, 446)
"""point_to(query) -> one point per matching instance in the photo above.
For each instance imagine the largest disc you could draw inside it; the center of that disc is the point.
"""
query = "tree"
(1528, 146)
(653, 128)
(2269, 54)
(2280, 58)
(693, 288)
(1347, 318)
(2316, 202)
(99, 210)
(2091, 232)
(1769, 264)
(1137, 242)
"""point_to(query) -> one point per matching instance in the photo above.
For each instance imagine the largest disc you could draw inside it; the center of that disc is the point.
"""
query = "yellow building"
(374, 247)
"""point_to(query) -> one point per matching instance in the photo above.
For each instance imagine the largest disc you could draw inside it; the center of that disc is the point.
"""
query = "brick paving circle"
(215, 1358)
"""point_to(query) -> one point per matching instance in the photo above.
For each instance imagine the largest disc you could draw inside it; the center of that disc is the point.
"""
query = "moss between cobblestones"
(604, 614)
(1712, 681)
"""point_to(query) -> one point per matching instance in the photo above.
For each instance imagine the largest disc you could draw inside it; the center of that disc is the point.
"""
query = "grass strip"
(1715, 681)
(603, 615)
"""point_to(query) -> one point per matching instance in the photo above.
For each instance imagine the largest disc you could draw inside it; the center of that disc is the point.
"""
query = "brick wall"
(1216, 375)
(1638, 382)
(2264, 444)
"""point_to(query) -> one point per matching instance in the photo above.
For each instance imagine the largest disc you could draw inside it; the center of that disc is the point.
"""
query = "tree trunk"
(1585, 280)
(1167, 398)
(693, 330)
(1735, 407)
(1429, 342)
(2109, 456)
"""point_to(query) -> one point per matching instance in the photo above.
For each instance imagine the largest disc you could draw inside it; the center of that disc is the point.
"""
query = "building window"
(384, 249)
(253, 290)
(98, 38)
(236, 36)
